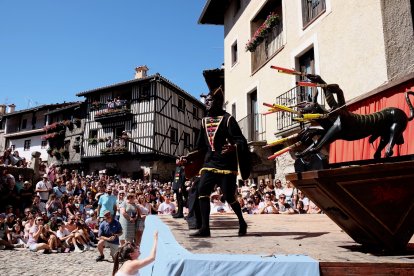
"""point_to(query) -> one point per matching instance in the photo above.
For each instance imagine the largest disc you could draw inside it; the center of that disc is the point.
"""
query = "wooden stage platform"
(314, 235)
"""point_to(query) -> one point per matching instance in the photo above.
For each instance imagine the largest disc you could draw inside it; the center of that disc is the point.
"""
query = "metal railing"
(292, 98)
(270, 45)
(253, 127)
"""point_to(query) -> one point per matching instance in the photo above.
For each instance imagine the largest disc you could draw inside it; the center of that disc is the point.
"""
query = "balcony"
(270, 46)
(292, 98)
(115, 150)
(113, 114)
(253, 127)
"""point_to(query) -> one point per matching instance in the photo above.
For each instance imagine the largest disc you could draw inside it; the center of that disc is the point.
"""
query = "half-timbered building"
(138, 127)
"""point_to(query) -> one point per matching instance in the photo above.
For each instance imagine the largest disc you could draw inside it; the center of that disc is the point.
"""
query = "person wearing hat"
(221, 142)
(43, 188)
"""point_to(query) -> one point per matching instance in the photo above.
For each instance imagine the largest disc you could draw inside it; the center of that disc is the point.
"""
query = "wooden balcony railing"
(268, 48)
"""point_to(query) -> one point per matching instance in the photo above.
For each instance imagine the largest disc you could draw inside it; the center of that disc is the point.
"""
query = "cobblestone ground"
(22, 262)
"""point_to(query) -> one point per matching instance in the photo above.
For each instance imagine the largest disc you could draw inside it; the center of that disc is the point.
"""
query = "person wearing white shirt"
(167, 207)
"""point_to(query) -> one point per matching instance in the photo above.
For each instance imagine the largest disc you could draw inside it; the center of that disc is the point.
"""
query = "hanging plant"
(271, 21)
(93, 141)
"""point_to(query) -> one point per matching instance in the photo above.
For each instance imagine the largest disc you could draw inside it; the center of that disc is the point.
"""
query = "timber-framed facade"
(138, 127)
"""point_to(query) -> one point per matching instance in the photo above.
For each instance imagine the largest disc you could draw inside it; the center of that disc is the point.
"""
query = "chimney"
(2, 109)
(12, 107)
(141, 72)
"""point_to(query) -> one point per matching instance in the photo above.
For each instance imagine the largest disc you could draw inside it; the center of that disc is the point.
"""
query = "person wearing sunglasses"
(35, 243)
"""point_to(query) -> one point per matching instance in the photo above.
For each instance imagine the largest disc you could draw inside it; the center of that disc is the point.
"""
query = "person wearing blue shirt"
(107, 202)
(108, 235)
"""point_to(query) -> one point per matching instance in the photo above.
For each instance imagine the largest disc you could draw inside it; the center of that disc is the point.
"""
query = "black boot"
(204, 231)
(242, 223)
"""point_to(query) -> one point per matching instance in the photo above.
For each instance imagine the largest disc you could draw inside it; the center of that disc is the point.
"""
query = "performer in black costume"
(222, 142)
(179, 189)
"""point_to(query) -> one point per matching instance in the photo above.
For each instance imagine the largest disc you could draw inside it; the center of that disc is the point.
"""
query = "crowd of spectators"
(66, 212)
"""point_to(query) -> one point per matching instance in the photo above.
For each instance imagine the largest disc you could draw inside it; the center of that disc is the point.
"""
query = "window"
(43, 145)
(311, 9)
(144, 92)
(195, 112)
(233, 110)
(196, 132)
(24, 123)
(234, 53)
(26, 145)
(306, 65)
(174, 135)
(254, 118)
(34, 121)
(272, 42)
(186, 140)
(93, 133)
(181, 104)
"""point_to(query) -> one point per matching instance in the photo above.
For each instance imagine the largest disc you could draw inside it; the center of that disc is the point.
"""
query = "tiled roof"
(37, 108)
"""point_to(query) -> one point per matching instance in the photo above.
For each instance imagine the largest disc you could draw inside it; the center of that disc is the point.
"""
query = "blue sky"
(51, 50)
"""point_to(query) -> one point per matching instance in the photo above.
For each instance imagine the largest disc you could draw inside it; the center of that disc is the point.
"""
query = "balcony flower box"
(261, 33)
(114, 150)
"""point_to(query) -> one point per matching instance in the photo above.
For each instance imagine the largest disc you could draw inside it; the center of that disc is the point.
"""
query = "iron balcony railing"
(253, 127)
(292, 98)
(268, 48)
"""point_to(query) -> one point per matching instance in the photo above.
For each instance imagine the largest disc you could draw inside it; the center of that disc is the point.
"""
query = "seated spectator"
(167, 207)
(4, 244)
(109, 232)
(267, 206)
(16, 236)
(289, 192)
(283, 207)
(37, 241)
(217, 206)
(59, 190)
(92, 222)
(303, 203)
(64, 237)
(313, 209)
(53, 204)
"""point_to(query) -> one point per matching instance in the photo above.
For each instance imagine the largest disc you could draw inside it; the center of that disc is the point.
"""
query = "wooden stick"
(280, 152)
(311, 84)
(279, 107)
(280, 141)
(287, 71)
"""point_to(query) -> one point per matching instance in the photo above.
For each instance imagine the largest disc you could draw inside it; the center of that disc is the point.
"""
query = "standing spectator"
(119, 201)
(109, 232)
(278, 188)
(167, 207)
(19, 183)
(179, 188)
(26, 194)
(59, 190)
(289, 192)
(107, 202)
(130, 213)
(43, 188)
